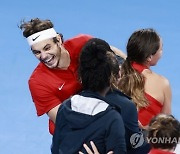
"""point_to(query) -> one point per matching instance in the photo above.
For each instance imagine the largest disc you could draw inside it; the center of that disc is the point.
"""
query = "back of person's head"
(141, 44)
(95, 65)
(115, 69)
(164, 132)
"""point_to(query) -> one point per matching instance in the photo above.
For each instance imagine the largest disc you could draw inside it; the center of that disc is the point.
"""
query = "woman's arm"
(167, 97)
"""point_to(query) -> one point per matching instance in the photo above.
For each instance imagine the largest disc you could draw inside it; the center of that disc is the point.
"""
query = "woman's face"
(157, 55)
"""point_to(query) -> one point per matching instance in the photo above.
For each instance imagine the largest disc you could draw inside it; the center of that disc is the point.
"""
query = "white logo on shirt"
(60, 88)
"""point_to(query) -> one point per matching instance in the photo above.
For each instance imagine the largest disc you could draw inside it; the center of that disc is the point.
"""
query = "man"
(55, 78)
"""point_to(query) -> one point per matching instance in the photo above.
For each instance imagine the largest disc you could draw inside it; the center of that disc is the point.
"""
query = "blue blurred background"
(21, 132)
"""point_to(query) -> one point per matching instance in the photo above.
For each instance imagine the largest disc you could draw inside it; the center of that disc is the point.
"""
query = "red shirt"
(159, 151)
(146, 114)
(50, 87)
(154, 108)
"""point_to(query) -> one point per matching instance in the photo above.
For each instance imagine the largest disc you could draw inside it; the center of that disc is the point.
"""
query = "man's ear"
(59, 39)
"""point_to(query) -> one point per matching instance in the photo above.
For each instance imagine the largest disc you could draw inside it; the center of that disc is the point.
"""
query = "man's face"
(47, 52)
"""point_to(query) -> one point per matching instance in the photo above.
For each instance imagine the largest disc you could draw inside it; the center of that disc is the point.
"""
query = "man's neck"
(64, 59)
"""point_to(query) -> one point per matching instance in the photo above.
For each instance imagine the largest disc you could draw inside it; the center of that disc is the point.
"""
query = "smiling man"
(55, 78)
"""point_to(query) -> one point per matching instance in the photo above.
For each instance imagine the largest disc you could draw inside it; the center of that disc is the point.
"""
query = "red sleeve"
(43, 97)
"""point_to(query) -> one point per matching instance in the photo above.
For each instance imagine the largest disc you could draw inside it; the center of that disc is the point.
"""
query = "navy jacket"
(130, 118)
(105, 129)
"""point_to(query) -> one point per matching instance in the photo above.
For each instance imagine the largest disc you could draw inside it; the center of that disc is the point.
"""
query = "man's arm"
(52, 113)
(118, 52)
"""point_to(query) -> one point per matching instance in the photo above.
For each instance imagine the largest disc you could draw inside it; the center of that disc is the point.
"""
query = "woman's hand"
(95, 150)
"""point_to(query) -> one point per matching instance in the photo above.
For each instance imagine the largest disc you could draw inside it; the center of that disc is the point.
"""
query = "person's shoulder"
(75, 44)
(65, 104)
(116, 97)
(115, 93)
(162, 80)
(82, 37)
(39, 68)
(113, 113)
(77, 41)
(155, 78)
(39, 73)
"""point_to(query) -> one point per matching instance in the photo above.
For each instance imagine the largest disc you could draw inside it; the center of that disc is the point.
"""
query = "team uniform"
(88, 117)
(154, 108)
(50, 87)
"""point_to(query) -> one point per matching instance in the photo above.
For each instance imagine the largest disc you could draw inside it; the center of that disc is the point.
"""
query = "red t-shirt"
(50, 87)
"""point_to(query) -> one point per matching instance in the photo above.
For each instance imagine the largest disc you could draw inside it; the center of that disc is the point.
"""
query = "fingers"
(94, 147)
(87, 149)
(110, 152)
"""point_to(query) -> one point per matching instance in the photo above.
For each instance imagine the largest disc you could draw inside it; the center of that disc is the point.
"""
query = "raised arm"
(118, 52)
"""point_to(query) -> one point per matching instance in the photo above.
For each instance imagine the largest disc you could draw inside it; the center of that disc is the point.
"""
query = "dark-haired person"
(150, 91)
(134, 145)
(163, 134)
(87, 116)
(55, 77)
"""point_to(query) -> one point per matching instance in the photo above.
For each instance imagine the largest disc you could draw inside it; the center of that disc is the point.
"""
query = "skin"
(53, 55)
(118, 52)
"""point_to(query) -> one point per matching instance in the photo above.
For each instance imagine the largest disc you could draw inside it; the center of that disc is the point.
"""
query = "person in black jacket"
(88, 116)
(135, 139)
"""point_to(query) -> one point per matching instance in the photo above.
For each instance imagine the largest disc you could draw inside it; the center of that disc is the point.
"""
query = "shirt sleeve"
(43, 97)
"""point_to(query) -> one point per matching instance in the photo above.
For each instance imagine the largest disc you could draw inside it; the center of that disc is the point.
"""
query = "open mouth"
(49, 60)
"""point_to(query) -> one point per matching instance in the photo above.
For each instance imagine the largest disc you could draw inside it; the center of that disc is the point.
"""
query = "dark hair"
(141, 44)
(95, 66)
(164, 127)
(115, 69)
(36, 25)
